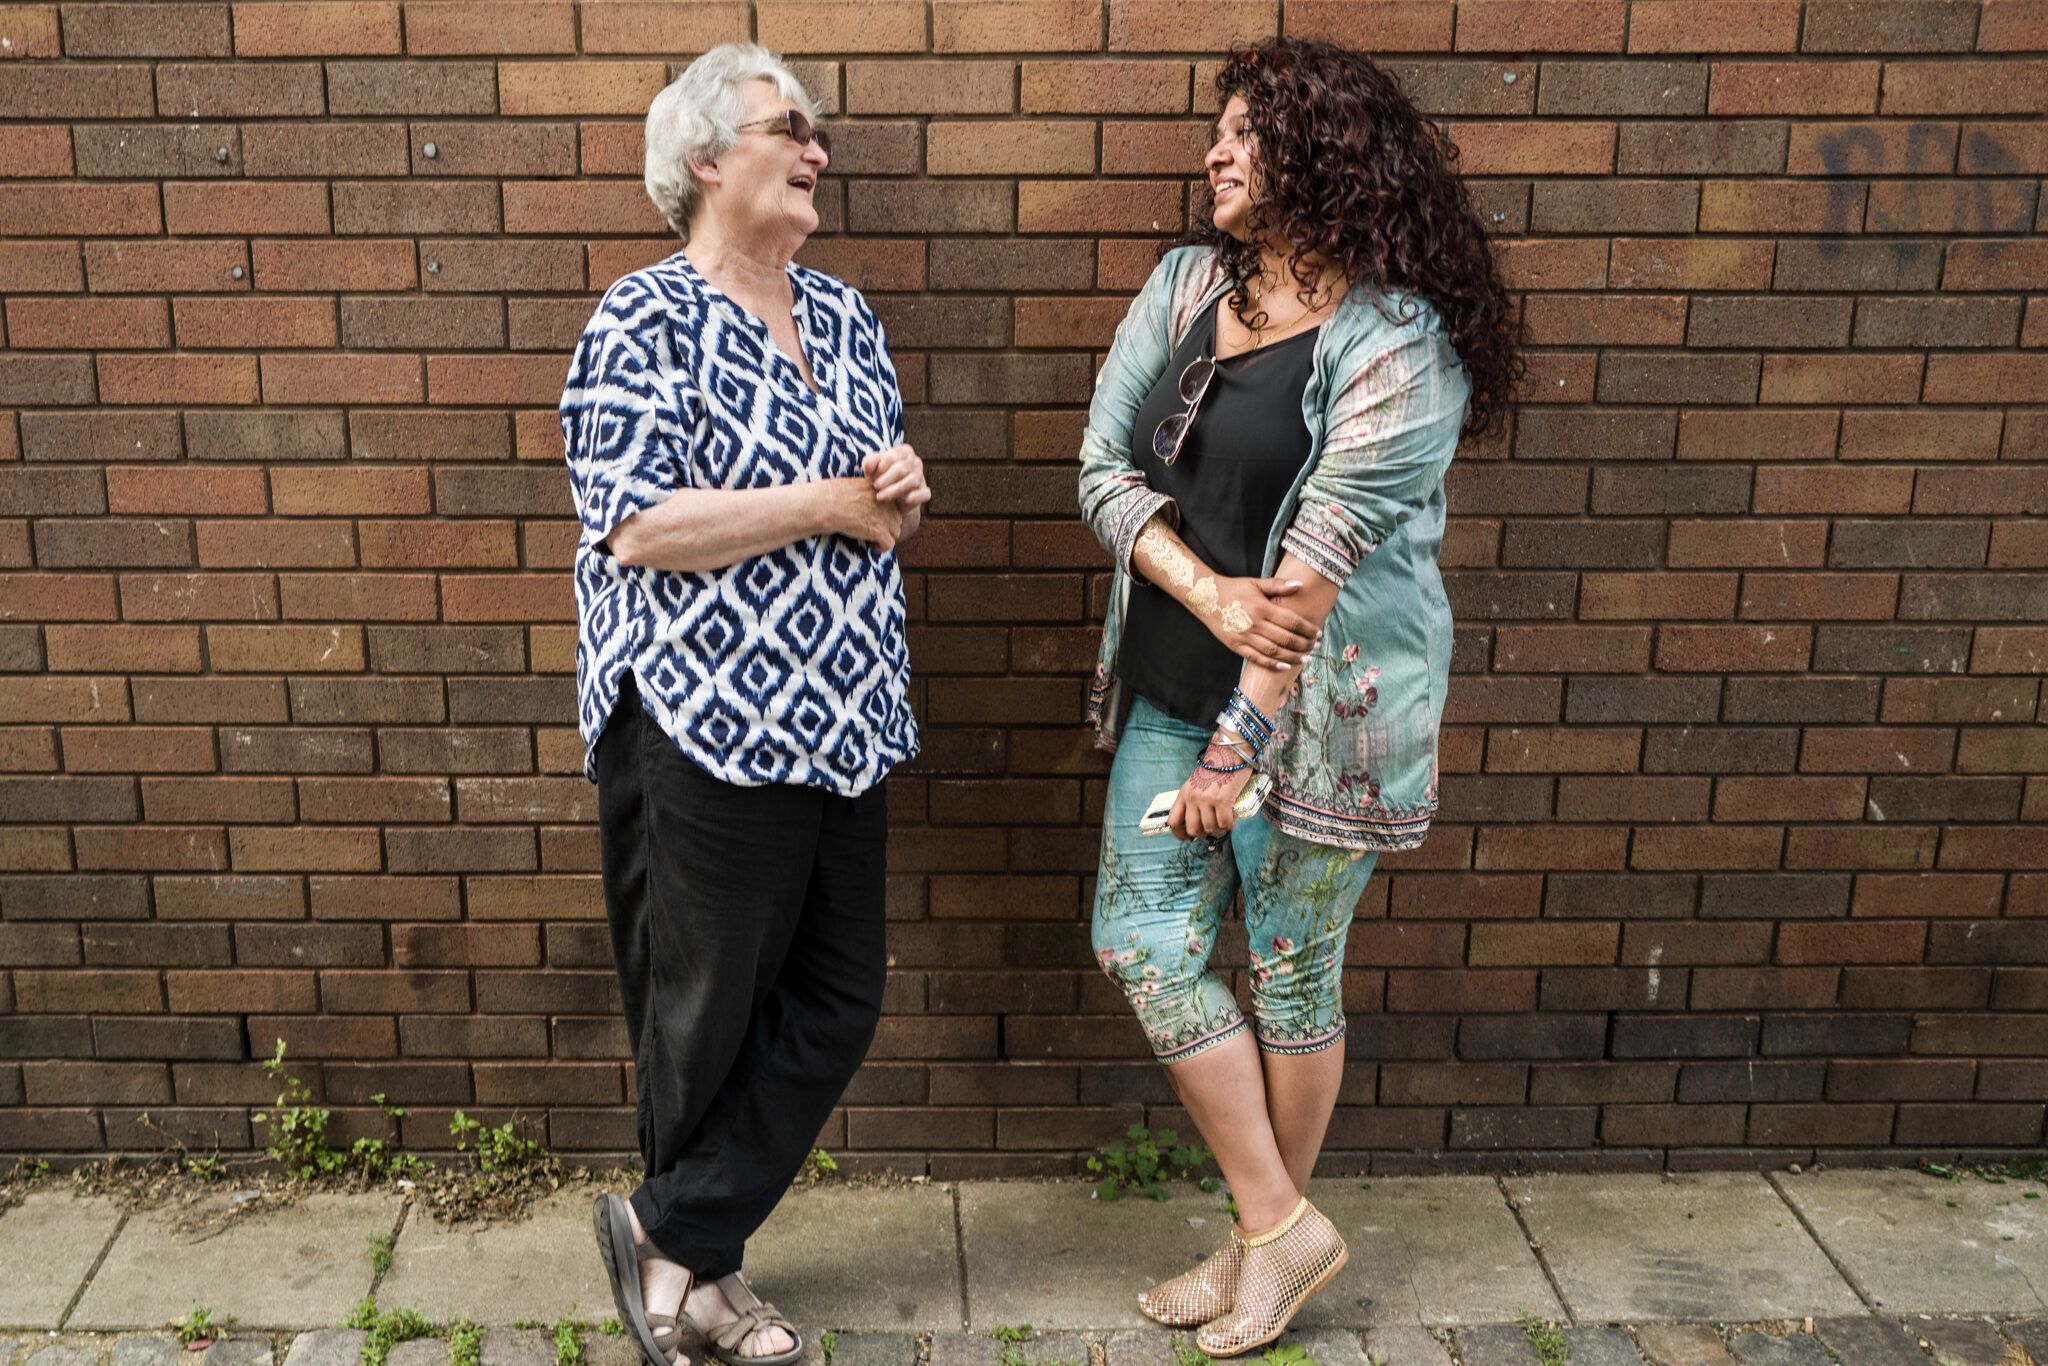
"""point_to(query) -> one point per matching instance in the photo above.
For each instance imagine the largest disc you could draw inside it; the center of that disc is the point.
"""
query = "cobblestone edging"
(1867, 1340)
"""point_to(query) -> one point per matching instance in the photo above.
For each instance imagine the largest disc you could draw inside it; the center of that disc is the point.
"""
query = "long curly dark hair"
(1353, 173)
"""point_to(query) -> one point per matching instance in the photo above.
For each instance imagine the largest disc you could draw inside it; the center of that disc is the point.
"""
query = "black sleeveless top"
(1247, 445)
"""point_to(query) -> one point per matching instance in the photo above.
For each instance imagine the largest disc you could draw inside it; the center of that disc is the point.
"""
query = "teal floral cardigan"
(1354, 762)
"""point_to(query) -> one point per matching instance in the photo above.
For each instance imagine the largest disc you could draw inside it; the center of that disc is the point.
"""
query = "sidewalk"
(1680, 1270)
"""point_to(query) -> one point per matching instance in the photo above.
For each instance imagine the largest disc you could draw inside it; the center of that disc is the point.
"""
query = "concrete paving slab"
(1919, 1244)
(1682, 1344)
(1052, 1255)
(1966, 1342)
(1763, 1349)
(52, 1239)
(1438, 1250)
(299, 1265)
(542, 1267)
(1405, 1344)
(1868, 1340)
(846, 1257)
(1629, 1248)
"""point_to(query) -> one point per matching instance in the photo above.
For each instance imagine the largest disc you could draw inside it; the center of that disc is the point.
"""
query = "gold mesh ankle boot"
(1192, 1299)
(1283, 1267)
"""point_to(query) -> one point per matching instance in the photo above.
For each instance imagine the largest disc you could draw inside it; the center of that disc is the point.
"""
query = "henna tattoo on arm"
(1163, 550)
(1236, 618)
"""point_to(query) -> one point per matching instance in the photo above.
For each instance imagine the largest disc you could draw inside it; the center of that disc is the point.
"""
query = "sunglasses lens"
(823, 139)
(1194, 378)
(1166, 437)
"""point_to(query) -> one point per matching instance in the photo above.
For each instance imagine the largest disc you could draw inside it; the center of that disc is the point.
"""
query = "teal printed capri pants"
(1159, 902)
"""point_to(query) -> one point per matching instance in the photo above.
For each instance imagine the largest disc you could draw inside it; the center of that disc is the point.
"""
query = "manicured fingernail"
(1294, 583)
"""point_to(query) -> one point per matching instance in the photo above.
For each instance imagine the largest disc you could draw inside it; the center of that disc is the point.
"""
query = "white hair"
(696, 117)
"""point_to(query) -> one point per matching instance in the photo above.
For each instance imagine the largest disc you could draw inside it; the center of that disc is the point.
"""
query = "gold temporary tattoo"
(1165, 553)
(1236, 618)
(1202, 597)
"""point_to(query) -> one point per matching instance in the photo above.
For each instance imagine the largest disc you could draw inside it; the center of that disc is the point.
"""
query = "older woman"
(1265, 459)
(735, 443)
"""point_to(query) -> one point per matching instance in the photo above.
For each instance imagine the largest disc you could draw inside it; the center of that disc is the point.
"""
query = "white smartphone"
(1247, 805)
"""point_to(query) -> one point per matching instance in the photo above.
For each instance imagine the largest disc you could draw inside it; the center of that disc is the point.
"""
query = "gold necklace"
(1259, 330)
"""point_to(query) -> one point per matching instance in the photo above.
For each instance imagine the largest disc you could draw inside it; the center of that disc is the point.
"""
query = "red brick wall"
(1745, 814)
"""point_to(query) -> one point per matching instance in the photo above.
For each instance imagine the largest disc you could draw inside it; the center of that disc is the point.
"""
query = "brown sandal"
(659, 1336)
(755, 1314)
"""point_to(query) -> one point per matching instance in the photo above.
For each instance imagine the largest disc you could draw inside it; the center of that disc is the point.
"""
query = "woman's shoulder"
(654, 302)
(816, 284)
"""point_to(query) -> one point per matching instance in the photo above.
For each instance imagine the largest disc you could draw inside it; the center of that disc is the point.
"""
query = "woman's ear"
(706, 171)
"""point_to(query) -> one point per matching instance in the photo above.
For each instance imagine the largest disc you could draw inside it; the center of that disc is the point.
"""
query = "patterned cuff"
(1332, 551)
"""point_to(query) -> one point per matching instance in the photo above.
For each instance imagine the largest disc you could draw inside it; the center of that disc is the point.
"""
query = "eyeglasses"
(792, 124)
(1194, 383)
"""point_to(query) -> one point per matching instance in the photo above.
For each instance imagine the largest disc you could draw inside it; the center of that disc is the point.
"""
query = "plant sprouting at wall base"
(1145, 1163)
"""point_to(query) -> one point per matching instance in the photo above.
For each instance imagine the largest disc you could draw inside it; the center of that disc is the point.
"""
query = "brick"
(1778, 322)
(1758, 544)
(1713, 26)
(1871, 148)
(374, 88)
(324, 149)
(150, 649)
(254, 322)
(1013, 148)
(78, 210)
(1779, 206)
(1016, 25)
(1722, 147)
(1840, 379)
(259, 649)
(1384, 26)
(208, 90)
(341, 377)
(1623, 88)
(293, 266)
(1819, 597)
(76, 92)
(1969, 87)
(1794, 88)
(1917, 206)
(1542, 26)
(130, 151)
(1875, 751)
(1616, 206)
(494, 149)
(279, 208)
(1168, 26)
(551, 88)
(439, 28)
(1656, 596)
(1118, 87)
(1675, 377)
(317, 28)
(660, 29)
(417, 207)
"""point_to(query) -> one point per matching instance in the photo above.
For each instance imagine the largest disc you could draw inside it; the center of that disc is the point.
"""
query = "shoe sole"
(614, 1247)
(1343, 1256)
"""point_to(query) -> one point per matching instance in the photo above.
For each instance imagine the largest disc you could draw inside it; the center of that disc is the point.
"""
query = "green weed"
(198, 1326)
(1545, 1339)
(380, 1254)
(465, 1342)
(1145, 1163)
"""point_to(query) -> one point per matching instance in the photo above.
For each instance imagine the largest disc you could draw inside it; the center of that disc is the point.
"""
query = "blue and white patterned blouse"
(788, 667)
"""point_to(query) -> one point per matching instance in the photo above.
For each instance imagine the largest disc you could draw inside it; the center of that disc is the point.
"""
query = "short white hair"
(696, 117)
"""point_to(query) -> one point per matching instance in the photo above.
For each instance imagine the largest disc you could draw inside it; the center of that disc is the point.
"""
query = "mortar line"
(85, 1284)
(1869, 1302)
(960, 1256)
(1542, 1262)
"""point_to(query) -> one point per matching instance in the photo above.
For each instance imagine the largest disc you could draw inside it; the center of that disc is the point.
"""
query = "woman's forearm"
(694, 530)
(1265, 687)
(1163, 558)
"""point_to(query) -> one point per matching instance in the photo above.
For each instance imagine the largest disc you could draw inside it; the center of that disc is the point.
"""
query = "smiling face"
(765, 184)
(1233, 170)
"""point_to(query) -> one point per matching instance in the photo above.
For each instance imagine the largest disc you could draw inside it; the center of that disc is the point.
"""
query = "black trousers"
(748, 928)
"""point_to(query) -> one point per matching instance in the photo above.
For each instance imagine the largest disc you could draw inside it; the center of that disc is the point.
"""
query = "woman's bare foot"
(710, 1310)
(662, 1282)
